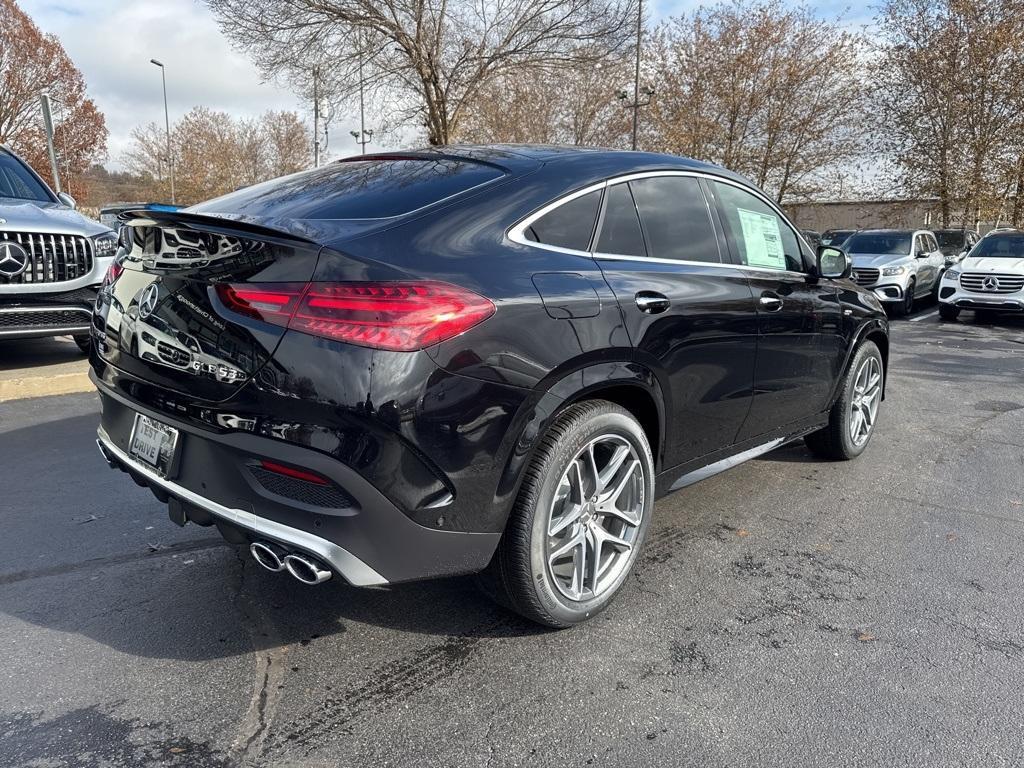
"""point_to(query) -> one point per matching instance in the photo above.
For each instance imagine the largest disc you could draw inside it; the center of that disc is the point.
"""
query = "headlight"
(890, 271)
(105, 244)
(952, 274)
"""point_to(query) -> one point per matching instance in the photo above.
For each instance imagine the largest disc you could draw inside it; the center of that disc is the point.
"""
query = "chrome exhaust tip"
(306, 570)
(267, 556)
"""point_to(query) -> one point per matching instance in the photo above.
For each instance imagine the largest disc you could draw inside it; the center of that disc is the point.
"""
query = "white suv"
(897, 265)
(989, 279)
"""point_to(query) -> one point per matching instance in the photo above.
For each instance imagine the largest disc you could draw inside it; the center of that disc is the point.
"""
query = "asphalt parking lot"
(789, 612)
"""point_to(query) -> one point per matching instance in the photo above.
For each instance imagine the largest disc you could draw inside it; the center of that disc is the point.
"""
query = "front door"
(690, 317)
(799, 321)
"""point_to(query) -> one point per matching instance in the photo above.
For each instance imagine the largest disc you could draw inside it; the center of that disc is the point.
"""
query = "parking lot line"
(924, 317)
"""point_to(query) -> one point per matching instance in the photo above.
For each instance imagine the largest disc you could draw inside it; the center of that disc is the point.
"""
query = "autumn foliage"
(32, 63)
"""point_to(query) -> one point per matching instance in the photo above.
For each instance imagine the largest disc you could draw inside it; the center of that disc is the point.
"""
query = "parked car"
(836, 236)
(989, 280)
(109, 213)
(955, 243)
(813, 238)
(484, 359)
(897, 265)
(52, 258)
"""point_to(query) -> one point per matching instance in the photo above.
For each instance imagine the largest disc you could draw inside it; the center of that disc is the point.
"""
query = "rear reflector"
(298, 474)
(399, 316)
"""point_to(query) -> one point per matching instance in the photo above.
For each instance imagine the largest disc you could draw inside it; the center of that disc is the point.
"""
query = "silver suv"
(52, 258)
(898, 265)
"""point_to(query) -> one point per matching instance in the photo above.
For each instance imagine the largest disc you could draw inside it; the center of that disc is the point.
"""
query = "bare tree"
(521, 107)
(766, 89)
(949, 90)
(215, 154)
(32, 63)
(429, 58)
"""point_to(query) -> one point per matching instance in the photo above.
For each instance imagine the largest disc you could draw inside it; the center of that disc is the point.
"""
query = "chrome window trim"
(517, 232)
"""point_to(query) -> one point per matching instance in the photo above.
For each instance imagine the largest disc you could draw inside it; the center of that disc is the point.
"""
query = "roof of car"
(521, 157)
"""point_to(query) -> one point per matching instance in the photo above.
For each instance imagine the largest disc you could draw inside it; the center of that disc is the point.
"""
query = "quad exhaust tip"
(273, 558)
(266, 555)
(306, 570)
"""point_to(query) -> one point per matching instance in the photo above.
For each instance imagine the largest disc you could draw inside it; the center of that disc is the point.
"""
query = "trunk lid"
(160, 314)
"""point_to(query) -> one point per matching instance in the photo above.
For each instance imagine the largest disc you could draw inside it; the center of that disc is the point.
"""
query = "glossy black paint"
(442, 436)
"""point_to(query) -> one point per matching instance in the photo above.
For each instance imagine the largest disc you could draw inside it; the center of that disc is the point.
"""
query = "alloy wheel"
(867, 394)
(595, 517)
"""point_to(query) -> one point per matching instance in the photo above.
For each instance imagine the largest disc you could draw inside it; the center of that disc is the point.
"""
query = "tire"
(836, 441)
(937, 286)
(906, 306)
(948, 312)
(526, 573)
(84, 342)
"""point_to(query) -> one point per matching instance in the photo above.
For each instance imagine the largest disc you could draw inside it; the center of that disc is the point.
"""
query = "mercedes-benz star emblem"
(148, 299)
(990, 283)
(13, 259)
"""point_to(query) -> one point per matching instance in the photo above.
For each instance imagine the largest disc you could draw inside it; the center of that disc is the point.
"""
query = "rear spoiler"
(220, 225)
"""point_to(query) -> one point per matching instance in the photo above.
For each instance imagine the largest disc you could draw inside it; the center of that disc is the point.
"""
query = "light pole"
(167, 126)
(647, 91)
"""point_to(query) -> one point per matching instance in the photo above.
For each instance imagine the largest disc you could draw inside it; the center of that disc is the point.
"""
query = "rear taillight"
(113, 272)
(399, 316)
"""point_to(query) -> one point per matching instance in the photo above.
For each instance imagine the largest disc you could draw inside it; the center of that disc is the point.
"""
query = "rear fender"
(540, 411)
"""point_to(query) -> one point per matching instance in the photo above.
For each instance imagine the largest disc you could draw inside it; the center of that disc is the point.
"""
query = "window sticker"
(762, 239)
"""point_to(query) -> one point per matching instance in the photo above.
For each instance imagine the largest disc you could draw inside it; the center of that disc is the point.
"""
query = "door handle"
(770, 302)
(652, 303)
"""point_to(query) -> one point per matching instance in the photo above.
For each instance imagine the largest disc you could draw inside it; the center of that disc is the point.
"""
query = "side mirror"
(921, 255)
(833, 262)
(67, 199)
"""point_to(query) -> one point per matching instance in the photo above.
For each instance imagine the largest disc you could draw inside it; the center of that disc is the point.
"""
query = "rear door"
(799, 322)
(690, 316)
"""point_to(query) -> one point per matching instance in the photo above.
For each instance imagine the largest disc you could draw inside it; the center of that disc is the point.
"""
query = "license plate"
(153, 443)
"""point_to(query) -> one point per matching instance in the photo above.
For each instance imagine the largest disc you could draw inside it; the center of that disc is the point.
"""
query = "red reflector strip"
(298, 474)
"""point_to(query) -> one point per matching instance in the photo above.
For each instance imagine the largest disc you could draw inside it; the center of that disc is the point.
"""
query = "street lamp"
(167, 126)
(362, 138)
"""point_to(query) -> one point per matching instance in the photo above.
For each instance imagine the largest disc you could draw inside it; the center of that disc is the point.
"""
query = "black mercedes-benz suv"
(473, 359)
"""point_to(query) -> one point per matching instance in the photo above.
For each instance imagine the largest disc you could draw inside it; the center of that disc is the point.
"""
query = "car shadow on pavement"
(190, 595)
(25, 354)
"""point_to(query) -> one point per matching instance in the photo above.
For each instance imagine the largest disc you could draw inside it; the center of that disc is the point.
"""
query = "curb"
(44, 386)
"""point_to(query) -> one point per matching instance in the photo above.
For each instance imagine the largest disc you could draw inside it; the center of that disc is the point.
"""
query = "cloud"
(112, 41)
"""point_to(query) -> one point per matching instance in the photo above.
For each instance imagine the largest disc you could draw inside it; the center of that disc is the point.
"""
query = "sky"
(112, 41)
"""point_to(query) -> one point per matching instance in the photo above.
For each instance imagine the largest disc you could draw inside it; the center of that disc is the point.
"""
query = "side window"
(620, 230)
(570, 225)
(675, 219)
(759, 235)
(919, 245)
(933, 244)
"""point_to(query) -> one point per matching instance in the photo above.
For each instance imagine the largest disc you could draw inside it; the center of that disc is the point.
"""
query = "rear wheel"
(580, 518)
(948, 312)
(84, 342)
(853, 417)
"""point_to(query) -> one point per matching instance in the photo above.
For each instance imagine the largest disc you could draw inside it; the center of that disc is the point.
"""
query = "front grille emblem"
(990, 283)
(13, 259)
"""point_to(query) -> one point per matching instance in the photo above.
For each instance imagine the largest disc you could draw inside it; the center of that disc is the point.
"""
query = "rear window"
(360, 189)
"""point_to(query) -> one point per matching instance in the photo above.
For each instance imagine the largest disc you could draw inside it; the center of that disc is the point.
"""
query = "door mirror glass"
(833, 262)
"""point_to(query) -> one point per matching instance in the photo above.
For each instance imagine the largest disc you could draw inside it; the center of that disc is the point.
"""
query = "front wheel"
(948, 312)
(580, 518)
(906, 306)
(853, 417)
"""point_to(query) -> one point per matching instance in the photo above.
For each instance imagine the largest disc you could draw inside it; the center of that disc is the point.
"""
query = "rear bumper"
(364, 538)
